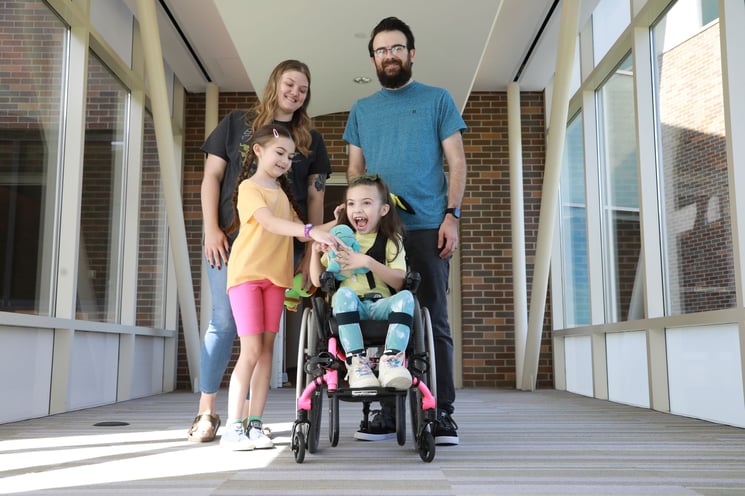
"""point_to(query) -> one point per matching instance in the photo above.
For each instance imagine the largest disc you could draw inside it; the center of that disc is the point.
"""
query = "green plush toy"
(296, 292)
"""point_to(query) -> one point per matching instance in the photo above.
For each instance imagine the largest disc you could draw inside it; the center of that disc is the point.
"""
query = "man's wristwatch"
(454, 211)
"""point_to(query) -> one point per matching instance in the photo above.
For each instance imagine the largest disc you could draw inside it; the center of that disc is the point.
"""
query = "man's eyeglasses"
(396, 51)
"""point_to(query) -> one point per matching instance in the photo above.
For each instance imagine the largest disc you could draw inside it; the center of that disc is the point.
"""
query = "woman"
(285, 101)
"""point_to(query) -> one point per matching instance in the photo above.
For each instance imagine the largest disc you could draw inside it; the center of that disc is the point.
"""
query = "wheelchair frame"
(321, 359)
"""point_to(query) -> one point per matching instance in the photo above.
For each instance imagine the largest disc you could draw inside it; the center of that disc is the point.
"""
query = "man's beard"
(394, 81)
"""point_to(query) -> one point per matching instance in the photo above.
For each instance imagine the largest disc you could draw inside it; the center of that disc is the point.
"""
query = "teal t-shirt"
(400, 133)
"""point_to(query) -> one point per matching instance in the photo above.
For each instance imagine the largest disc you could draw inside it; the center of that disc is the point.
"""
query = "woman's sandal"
(204, 428)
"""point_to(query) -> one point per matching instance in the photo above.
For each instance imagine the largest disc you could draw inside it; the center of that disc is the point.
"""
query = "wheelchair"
(321, 359)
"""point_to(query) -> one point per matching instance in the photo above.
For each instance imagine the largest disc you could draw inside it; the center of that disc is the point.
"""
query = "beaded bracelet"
(306, 232)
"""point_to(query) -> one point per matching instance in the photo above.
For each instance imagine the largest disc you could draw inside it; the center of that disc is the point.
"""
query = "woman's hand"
(338, 211)
(216, 248)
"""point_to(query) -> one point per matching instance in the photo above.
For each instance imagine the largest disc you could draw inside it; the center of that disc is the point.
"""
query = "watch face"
(454, 211)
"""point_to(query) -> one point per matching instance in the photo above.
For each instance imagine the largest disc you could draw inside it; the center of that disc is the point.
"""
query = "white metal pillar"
(211, 105)
(549, 197)
(519, 278)
(733, 77)
(169, 177)
(732, 20)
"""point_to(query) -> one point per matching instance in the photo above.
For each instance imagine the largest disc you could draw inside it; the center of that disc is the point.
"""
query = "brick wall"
(485, 249)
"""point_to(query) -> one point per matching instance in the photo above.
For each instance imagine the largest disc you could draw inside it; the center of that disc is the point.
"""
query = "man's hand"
(447, 236)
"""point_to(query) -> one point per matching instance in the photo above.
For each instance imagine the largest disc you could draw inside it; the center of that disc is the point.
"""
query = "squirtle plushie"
(346, 236)
(296, 292)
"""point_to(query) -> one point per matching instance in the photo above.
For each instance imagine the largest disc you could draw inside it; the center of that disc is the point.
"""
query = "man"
(402, 133)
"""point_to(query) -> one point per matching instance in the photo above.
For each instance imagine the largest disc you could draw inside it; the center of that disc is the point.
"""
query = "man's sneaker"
(359, 373)
(257, 437)
(234, 438)
(393, 373)
(446, 430)
(379, 428)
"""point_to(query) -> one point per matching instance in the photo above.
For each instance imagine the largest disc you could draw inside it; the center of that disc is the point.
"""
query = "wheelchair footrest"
(367, 394)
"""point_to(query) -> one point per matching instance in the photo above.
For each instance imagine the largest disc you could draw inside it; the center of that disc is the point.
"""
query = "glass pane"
(32, 69)
(709, 11)
(152, 260)
(697, 237)
(619, 194)
(101, 212)
(609, 19)
(575, 281)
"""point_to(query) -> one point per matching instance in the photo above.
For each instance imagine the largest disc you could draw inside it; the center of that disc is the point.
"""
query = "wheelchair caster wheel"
(426, 446)
(298, 446)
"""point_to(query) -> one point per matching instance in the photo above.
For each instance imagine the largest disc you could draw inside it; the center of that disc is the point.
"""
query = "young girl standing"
(284, 101)
(369, 212)
(259, 271)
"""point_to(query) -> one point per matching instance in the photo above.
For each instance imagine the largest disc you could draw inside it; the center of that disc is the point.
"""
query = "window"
(692, 163)
(621, 238)
(151, 275)
(32, 64)
(575, 282)
(99, 266)
(609, 19)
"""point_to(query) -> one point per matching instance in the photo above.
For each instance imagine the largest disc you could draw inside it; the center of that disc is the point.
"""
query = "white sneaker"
(257, 437)
(393, 373)
(234, 438)
(359, 373)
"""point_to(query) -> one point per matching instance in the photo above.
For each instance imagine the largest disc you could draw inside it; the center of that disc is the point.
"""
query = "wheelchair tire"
(307, 348)
(316, 414)
(401, 419)
(431, 379)
(334, 420)
(424, 344)
(417, 415)
(301, 380)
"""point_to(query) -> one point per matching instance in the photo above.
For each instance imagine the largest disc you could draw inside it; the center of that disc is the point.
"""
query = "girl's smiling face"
(365, 207)
(275, 158)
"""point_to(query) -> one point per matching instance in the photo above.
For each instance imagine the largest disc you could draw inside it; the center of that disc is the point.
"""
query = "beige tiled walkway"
(512, 443)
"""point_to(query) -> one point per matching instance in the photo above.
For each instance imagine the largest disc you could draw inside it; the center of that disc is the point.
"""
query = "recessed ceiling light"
(362, 80)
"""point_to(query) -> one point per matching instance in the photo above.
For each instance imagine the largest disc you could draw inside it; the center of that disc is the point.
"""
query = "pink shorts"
(257, 306)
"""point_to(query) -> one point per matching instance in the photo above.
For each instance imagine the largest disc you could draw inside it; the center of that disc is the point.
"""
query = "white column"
(549, 197)
(69, 243)
(519, 284)
(732, 20)
(732, 17)
(171, 188)
(211, 104)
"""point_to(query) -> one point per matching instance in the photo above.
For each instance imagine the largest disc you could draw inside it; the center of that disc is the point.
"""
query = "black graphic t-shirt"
(230, 141)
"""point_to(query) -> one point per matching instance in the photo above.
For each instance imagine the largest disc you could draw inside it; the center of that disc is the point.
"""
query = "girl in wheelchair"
(376, 294)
